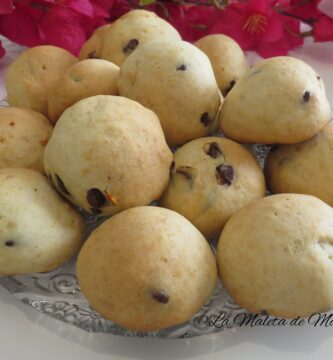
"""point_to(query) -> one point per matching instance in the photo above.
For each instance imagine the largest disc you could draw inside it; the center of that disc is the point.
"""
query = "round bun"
(304, 168)
(92, 48)
(132, 30)
(278, 101)
(108, 153)
(175, 80)
(146, 268)
(23, 137)
(84, 79)
(33, 74)
(212, 178)
(276, 255)
(227, 59)
(39, 230)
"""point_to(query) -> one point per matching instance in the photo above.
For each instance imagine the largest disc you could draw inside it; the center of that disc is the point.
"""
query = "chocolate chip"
(95, 211)
(131, 45)
(93, 55)
(181, 67)
(95, 198)
(228, 88)
(172, 168)
(214, 150)
(205, 120)
(274, 148)
(161, 296)
(225, 174)
(61, 185)
(10, 243)
(185, 171)
(318, 77)
(306, 96)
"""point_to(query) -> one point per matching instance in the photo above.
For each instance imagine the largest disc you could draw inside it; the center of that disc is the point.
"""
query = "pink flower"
(257, 26)
(193, 22)
(20, 26)
(61, 27)
(64, 23)
(6, 7)
(323, 29)
(119, 8)
(312, 14)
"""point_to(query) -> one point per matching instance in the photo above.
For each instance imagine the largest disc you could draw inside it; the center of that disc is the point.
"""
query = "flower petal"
(323, 29)
(274, 29)
(62, 28)
(83, 7)
(20, 27)
(6, 7)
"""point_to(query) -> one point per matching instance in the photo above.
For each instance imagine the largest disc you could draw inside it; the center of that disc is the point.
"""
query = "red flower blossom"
(64, 23)
(192, 22)
(6, 7)
(311, 14)
(323, 29)
(270, 27)
(258, 26)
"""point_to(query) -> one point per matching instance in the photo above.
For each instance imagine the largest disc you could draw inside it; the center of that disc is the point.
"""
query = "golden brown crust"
(175, 80)
(33, 74)
(84, 79)
(118, 154)
(39, 230)
(227, 59)
(156, 276)
(304, 168)
(276, 255)
(278, 101)
(23, 138)
(92, 48)
(213, 178)
(130, 31)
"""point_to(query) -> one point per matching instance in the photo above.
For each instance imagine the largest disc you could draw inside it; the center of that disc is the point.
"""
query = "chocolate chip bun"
(304, 168)
(276, 255)
(23, 137)
(280, 100)
(146, 268)
(132, 30)
(33, 74)
(108, 153)
(212, 178)
(84, 79)
(227, 59)
(175, 80)
(39, 230)
(92, 48)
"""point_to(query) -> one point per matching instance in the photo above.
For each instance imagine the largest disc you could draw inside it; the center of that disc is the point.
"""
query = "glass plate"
(57, 294)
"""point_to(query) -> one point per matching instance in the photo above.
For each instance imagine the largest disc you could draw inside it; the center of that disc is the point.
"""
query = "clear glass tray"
(57, 294)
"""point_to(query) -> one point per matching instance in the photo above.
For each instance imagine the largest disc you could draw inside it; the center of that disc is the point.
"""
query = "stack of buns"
(96, 133)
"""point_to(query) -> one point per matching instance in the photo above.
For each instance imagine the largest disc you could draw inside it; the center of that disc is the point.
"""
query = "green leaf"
(146, 2)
